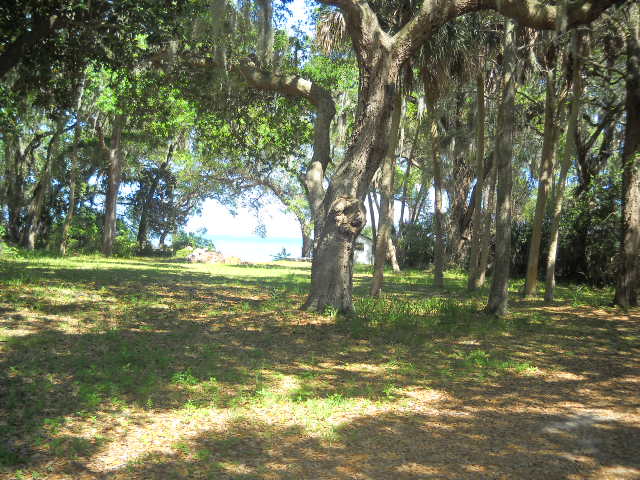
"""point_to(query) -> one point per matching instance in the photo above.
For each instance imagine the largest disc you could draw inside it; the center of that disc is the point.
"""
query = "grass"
(148, 368)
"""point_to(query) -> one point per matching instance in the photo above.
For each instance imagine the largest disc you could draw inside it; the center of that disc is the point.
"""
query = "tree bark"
(265, 32)
(331, 276)
(476, 236)
(73, 180)
(307, 243)
(35, 207)
(143, 225)
(325, 109)
(544, 180)
(568, 154)
(386, 202)
(115, 157)
(372, 217)
(439, 246)
(490, 201)
(16, 50)
(379, 58)
(499, 294)
(628, 284)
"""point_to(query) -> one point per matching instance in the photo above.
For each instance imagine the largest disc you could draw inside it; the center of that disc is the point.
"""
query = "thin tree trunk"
(403, 201)
(438, 224)
(499, 294)
(372, 216)
(115, 159)
(544, 181)
(143, 226)
(386, 201)
(73, 180)
(476, 236)
(628, 284)
(490, 202)
(392, 255)
(568, 154)
(34, 210)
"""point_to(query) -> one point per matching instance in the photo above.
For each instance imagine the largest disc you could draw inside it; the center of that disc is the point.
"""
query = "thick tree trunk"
(499, 294)
(115, 158)
(544, 183)
(476, 236)
(386, 202)
(628, 284)
(332, 268)
(380, 57)
(568, 154)
(439, 247)
(392, 255)
(331, 273)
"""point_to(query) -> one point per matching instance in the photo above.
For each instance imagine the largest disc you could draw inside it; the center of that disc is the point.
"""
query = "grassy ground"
(148, 369)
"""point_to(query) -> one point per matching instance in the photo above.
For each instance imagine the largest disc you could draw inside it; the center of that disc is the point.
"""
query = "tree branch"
(41, 29)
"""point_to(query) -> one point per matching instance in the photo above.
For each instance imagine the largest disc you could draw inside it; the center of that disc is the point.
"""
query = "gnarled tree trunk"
(380, 57)
(331, 273)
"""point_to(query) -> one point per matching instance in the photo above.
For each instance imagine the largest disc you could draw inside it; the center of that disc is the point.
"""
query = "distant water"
(256, 249)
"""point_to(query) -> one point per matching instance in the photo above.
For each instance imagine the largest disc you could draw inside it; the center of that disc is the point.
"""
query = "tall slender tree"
(499, 294)
(628, 285)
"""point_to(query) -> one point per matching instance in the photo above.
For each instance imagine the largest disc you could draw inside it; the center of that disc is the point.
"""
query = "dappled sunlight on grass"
(155, 369)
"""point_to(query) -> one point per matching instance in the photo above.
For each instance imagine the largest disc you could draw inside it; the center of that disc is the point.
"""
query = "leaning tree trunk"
(544, 180)
(476, 236)
(568, 154)
(115, 160)
(499, 294)
(628, 275)
(386, 202)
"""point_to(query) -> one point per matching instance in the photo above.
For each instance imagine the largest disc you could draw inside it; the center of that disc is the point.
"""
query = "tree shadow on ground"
(184, 338)
(449, 444)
